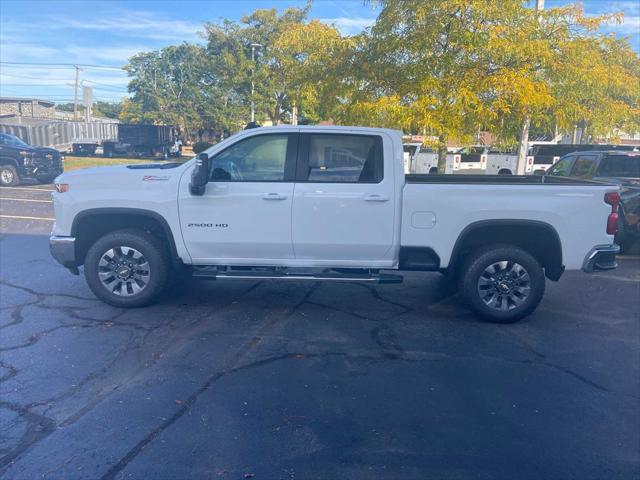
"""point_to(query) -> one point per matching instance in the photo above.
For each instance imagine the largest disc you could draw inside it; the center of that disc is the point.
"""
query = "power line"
(68, 65)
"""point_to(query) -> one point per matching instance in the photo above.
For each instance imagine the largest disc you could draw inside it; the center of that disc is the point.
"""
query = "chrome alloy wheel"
(6, 176)
(504, 285)
(124, 271)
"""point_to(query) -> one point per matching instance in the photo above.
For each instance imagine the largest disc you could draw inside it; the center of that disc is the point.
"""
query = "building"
(26, 107)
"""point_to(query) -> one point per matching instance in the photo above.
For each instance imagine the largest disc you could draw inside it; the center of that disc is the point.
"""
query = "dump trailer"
(141, 140)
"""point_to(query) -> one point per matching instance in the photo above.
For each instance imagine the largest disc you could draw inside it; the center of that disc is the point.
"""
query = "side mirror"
(200, 175)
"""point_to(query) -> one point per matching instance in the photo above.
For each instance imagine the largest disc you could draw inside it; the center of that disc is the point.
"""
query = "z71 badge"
(155, 178)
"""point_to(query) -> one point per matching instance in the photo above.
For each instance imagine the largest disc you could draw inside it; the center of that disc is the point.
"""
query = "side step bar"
(213, 273)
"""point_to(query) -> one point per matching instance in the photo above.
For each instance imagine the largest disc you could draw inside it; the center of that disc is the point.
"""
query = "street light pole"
(253, 63)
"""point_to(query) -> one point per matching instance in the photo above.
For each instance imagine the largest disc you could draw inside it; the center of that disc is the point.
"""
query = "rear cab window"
(340, 158)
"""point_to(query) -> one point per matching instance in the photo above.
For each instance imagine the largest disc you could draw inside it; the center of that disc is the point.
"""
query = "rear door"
(343, 207)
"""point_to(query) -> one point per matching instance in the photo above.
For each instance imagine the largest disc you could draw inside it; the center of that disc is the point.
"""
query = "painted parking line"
(27, 218)
(34, 189)
(25, 200)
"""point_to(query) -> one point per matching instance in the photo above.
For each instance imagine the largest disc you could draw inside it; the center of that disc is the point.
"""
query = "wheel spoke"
(124, 271)
(504, 285)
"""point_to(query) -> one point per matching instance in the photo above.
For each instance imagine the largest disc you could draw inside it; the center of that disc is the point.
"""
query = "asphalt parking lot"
(274, 380)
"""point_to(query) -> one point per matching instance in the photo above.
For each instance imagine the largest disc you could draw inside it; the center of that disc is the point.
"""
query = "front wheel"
(126, 268)
(9, 176)
(502, 283)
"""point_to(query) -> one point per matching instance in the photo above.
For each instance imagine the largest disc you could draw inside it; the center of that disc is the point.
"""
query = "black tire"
(153, 252)
(9, 176)
(504, 286)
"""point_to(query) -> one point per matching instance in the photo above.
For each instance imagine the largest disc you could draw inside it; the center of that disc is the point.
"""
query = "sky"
(104, 34)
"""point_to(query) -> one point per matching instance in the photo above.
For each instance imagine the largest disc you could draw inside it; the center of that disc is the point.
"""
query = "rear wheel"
(502, 283)
(126, 268)
(9, 176)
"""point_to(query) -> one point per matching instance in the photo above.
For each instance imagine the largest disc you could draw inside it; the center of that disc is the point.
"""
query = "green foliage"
(445, 68)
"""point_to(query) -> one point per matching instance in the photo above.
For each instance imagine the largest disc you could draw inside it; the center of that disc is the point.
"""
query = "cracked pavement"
(282, 380)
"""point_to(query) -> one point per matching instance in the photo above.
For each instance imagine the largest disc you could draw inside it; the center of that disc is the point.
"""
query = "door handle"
(374, 197)
(274, 196)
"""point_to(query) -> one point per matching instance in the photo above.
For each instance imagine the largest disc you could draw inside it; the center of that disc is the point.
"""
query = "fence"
(59, 134)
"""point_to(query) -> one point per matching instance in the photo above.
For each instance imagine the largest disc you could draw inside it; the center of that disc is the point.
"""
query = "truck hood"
(123, 174)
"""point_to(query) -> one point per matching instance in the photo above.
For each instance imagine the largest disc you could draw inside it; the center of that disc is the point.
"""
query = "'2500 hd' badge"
(208, 225)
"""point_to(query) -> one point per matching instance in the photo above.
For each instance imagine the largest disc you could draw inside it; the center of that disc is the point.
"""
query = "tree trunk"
(294, 114)
(524, 146)
(442, 154)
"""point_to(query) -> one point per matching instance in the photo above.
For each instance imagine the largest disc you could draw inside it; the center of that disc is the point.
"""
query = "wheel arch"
(538, 238)
(9, 161)
(91, 224)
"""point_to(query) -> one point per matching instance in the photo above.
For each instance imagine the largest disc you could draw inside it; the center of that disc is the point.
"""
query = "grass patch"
(76, 163)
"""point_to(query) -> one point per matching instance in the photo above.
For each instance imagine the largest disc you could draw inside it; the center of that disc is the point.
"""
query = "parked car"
(328, 204)
(19, 160)
(471, 159)
(426, 161)
(501, 162)
(542, 157)
(409, 152)
(622, 168)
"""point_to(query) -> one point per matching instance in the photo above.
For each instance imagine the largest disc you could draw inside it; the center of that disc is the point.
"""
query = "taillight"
(483, 158)
(613, 199)
(530, 160)
(62, 187)
(456, 158)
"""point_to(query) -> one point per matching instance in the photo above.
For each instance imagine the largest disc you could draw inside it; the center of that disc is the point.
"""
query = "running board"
(213, 273)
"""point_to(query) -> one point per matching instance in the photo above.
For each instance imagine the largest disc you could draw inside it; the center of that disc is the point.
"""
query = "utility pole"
(75, 94)
(526, 125)
(253, 63)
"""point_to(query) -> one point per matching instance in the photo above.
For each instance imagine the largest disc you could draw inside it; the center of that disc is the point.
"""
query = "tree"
(308, 60)
(229, 51)
(426, 65)
(168, 85)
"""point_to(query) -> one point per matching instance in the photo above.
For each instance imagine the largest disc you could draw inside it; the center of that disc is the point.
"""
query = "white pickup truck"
(327, 203)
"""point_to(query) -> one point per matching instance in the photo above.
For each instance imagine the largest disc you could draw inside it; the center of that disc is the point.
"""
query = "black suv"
(19, 160)
(613, 166)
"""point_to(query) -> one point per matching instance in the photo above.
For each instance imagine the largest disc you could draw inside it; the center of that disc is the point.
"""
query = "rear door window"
(584, 166)
(620, 166)
(341, 158)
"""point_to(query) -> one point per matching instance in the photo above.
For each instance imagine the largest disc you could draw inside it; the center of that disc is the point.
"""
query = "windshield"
(12, 140)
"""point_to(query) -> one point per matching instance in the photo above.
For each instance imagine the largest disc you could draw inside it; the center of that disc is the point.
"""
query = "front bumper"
(63, 249)
(601, 257)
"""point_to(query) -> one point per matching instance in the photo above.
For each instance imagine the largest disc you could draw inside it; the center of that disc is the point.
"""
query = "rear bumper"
(63, 249)
(601, 257)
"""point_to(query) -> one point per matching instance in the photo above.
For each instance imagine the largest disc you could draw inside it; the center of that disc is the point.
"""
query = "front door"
(244, 217)
(343, 207)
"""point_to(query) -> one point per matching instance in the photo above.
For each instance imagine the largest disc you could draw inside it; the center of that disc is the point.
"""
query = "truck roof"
(337, 128)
